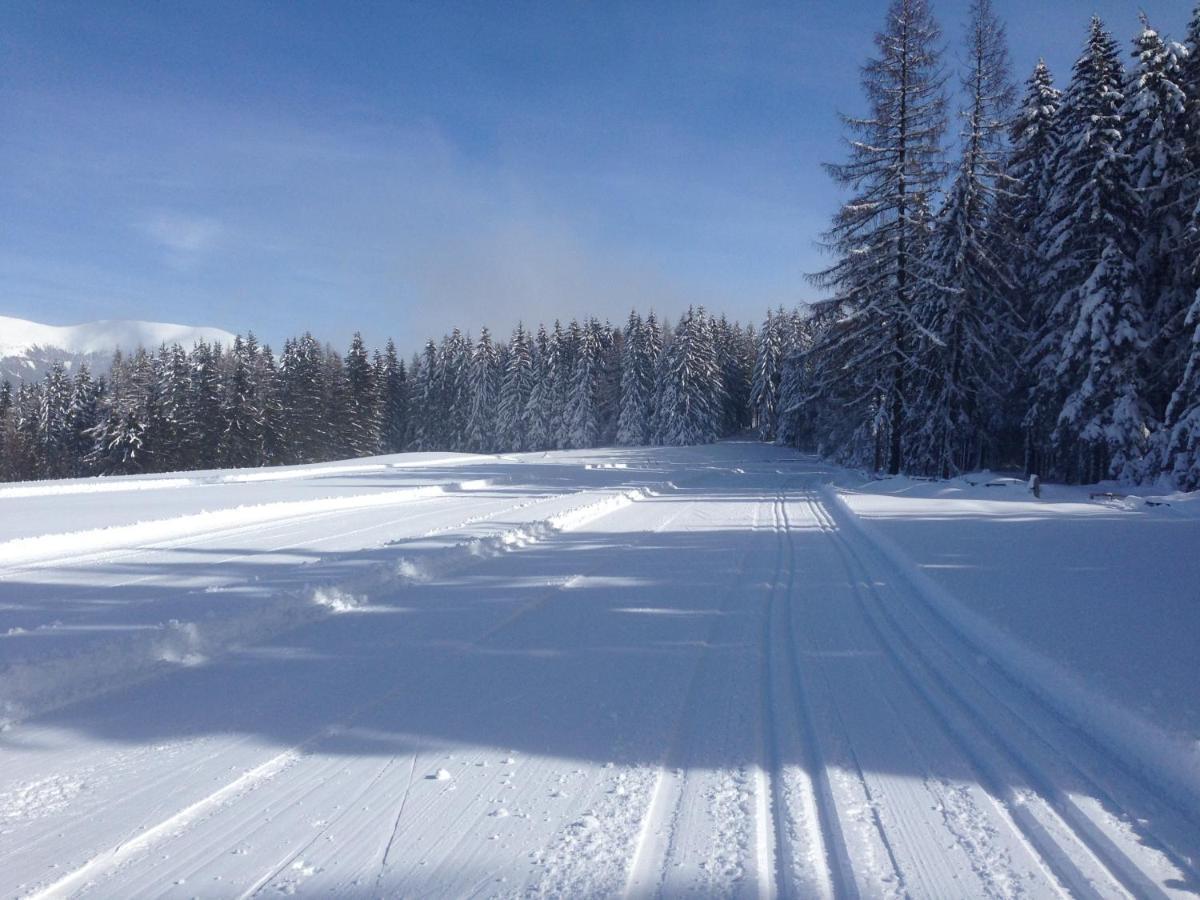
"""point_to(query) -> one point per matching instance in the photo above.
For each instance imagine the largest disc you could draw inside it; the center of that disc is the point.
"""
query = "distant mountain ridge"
(28, 349)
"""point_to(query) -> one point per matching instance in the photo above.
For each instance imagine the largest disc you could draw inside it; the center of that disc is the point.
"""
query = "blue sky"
(400, 168)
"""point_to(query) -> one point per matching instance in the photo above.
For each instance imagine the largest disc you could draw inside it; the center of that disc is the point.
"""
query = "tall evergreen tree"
(637, 385)
(965, 314)
(1087, 355)
(691, 391)
(515, 389)
(880, 237)
(1156, 148)
(363, 423)
(484, 395)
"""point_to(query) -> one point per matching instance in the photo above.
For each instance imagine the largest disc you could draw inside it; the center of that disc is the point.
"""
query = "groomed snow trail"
(646, 673)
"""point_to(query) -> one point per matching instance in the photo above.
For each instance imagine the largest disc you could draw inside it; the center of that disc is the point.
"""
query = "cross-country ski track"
(651, 672)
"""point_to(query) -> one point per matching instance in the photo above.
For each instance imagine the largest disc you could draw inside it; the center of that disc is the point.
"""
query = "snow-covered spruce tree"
(582, 416)
(566, 342)
(515, 388)
(240, 441)
(793, 416)
(82, 417)
(735, 357)
(691, 393)
(363, 422)
(54, 430)
(270, 407)
(764, 382)
(424, 405)
(965, 313)
(880, 237)
(1033, 140)
(608, 390)
(305, 428)
(1180, 453)
(1156, 146)
(1088, 355)
(393, 399)
(539, 419)
(336, 405)
(9, 437)
(454, 386)
(637, 385)
(205, 402)
(484, 394)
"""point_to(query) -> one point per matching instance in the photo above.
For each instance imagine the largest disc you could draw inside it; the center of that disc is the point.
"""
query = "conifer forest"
(1012, 283)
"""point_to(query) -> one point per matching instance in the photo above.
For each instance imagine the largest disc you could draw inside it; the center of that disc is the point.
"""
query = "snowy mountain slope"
(648, 672)
(27, 348)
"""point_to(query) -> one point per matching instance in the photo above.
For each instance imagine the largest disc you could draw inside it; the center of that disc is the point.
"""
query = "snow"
(722, 671)
(19, 336)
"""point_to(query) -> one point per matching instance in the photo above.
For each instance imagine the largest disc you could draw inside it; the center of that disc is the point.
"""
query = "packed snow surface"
(714, 671)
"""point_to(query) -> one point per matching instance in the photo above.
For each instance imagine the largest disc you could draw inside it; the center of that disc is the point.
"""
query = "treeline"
(584, 385)
(1031, 301)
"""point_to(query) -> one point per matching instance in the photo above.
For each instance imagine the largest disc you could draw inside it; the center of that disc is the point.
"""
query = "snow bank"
(32, 687)
(22, 551)
(1168, 758)
(119, 483)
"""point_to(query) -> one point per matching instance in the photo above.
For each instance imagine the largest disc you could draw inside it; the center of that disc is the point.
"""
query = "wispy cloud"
(184, 237)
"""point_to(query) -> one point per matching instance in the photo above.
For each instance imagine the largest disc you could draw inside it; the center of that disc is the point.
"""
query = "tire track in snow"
(1077, 853)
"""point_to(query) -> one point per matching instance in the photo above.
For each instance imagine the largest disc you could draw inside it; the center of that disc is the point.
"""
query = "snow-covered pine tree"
(393, 400)
(421, 428)
(363, 422)
(1033, 138)
(582, 416)
(305, 427)
(1156, 147)
(965, 314)
(204, 402)
(793, 417)
(240, 443)
(9, 438)
(566, 342)
(1090, 351)
(265, 380)
(54, 430)
(691, 391)
(880, 236)
(515, 388)
(637, 385)
(539, 417)
(454, 387)
(735, 356)
(608, 390)
(764, 382)
(82, 417)
(1180, 454)
(335, 407)
(484, 389)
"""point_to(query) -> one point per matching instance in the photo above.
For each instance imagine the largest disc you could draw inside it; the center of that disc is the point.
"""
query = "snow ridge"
(30, 688)
(1165, 759)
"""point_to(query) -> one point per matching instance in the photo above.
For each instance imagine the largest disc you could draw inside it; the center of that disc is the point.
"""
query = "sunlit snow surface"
(721, 671)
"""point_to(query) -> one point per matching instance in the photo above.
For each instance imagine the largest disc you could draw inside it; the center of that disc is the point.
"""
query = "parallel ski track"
(830, 837)
(949, 703)
(656, 837)
(112, 859)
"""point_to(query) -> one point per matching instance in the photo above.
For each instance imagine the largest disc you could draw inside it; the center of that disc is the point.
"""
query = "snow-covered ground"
(724, 671)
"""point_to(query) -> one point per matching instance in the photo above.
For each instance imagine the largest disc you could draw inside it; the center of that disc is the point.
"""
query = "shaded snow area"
(713, 671)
